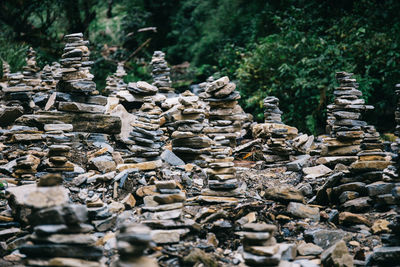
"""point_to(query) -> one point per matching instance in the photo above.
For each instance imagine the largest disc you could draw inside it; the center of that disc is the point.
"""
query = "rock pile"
(76, 97)
(188, 141)
(132, 241)
(272, 112)
(161, 72)
(137, 91)
(47, 80)
(259, 245)
(163, 212)
(146, 136)
(225, 121)
(61, 237)
(275, 134)
(347, 128)
(31, 70)
(115, 82)
(6, 71)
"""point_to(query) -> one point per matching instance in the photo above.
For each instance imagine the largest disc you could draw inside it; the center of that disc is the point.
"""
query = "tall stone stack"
(224, 127)
(272, 112)
(146, 136)
(6, 71)
(56, 71)
(132, 241)
(347, 127)
(275, 134)
(259, 245)
(61, 237)
(161, 72)
(31, 70)
(163, 212)
(224, 117)
(115, 82)
(188, 141)
(48, 83)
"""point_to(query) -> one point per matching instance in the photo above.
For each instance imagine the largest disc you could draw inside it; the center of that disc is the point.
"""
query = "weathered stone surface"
(337, 255)
(303, 211)
(284, 194)
(324, 237)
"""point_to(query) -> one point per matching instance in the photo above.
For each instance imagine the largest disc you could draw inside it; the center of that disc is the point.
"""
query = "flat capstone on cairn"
(188, 140)
(115, 82)
(161, 73)
(137, 91)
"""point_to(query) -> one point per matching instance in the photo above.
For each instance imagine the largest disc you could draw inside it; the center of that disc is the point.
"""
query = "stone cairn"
(347, 132)
(163, 212)
(356, 144)
(140, 90)
(48, 83)
(259, 245)
(188, 141)
(6, 71)
(31, 70)
(115, 82)
(161, 72)
(146, 136)
(222, 129)
(132, 241)
(21, 86)
(61, 237)
(224, 119)
(275, 134)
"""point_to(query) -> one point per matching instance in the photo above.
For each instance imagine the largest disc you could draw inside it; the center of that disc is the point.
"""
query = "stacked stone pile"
(115, 82)
(31, 70)
(61, 237)
(56, 71)
(347, 128)
(356, 144)
(259, 245)
(275, 134)
(48, 83)
(272, 112)
(146, 136)
(161, 72)
(163, 212)
(224, 116)
(132, 241)
(6, 71)
(188, 141)
(77, 97)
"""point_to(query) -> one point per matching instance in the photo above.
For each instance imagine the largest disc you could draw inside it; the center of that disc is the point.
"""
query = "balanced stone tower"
(161, 72)
(347, 128)
(146, 136)
(188, 141)
(115, 82)
(223, 129)
(275, 134)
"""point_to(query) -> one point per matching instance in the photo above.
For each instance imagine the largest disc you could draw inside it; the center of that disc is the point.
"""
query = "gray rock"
(169, 157)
